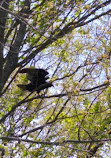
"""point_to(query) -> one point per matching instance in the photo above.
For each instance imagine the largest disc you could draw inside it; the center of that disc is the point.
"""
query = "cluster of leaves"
(71, 39)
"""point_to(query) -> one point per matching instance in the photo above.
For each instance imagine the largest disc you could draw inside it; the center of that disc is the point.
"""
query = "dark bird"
(37, 79)
(36, 76)
(31, 88)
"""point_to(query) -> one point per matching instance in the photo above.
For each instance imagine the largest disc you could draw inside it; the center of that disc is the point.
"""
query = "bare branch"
(55, 143)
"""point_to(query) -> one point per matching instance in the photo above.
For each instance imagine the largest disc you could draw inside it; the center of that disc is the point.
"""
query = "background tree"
(70, 39)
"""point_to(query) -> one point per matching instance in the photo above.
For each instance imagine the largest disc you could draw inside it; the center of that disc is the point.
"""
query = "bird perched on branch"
(37, 79)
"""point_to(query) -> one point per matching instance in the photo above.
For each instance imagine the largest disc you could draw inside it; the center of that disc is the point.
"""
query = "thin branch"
(38, 97)
(55, 143)
(67, 29)
(99, 86)
(47, 123)
(96, 17)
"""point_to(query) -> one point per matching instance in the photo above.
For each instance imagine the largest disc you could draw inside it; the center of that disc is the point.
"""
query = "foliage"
(71, 39)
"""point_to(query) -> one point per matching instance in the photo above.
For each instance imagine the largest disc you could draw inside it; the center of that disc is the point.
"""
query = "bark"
(3, 17)
(11, 60)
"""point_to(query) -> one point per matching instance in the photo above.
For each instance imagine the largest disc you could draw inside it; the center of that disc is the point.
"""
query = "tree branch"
(12, 57)
(99, 86)
(68, 28)
(55, 143)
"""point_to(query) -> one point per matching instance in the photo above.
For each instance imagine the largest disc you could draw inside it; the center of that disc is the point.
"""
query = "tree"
(71, 39)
